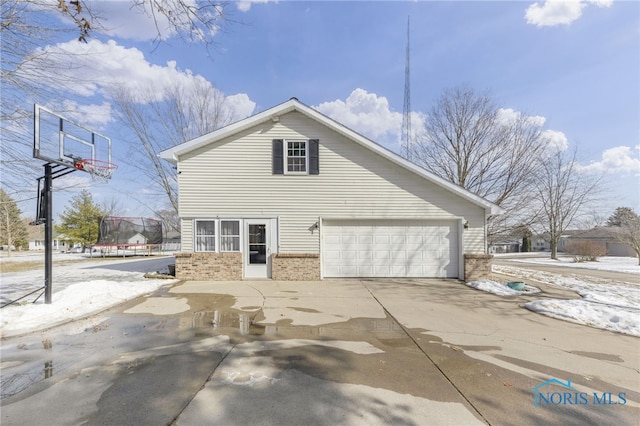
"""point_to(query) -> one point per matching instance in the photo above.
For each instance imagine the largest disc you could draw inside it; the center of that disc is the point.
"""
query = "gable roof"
(173, 154)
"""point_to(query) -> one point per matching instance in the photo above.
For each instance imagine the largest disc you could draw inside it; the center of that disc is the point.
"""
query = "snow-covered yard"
(81, 286)
(606, 303)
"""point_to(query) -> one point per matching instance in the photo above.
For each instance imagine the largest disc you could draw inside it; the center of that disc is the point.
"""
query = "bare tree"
(563, 193)
(170, 219)
(163, 120)
(472, 143)
(194, 21)
(29, 75)
(624, 226)
(24, 27)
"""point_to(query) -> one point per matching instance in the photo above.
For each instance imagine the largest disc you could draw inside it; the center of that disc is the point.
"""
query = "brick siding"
(477, 266)
(295, 267)
(209, 266)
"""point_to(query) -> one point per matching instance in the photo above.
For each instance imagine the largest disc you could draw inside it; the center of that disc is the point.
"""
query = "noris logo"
(547, 393)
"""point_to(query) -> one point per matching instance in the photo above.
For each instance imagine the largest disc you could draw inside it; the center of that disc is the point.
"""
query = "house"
(137, 239)
(509, 246)
(599, 235)
(290, 194)
(37, 243)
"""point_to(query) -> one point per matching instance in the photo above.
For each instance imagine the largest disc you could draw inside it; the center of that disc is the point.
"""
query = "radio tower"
(406, 110)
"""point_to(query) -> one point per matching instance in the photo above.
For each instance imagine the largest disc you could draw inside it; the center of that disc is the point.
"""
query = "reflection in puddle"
(11, 384)
(223, 319)
(246, 324)
(48, 366)
(48, 369)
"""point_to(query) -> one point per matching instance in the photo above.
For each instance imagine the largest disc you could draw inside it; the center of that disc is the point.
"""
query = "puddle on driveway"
(30, 365)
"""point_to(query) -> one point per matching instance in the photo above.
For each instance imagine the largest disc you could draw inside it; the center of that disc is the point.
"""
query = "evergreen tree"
(621, 216)
(13, 231)
(81, 221)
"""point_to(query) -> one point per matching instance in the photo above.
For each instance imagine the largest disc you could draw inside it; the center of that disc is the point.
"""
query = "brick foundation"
(209, 266)
(295, 267)
(477, 266)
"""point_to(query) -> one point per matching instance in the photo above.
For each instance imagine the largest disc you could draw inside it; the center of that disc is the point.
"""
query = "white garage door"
(390, 249)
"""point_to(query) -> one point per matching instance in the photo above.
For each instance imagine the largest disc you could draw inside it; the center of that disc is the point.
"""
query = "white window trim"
(217, 236)
(195, 236)
(285, 156)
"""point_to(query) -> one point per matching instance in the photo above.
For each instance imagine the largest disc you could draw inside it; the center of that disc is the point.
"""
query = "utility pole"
(406, 110)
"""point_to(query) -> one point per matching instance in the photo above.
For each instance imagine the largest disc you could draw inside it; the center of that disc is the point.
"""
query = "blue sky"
(574, 64)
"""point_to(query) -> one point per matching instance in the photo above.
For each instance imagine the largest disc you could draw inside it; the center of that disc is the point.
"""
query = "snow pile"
(614, 318)
(501, 289)
(75, 301)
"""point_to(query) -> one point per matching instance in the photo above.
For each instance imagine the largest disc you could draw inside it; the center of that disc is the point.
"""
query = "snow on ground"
(79, 289)
(501, 289)
(605, 304)
(627, 265)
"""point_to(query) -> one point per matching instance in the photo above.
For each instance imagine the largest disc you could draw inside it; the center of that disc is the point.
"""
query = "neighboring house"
(36, 240)
(599, 235)
(291, 194)
(540, 244)
(510, 246)
(137, 239)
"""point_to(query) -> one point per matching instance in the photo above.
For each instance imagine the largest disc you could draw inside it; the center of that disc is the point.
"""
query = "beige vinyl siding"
(233, 177)
(186, 232)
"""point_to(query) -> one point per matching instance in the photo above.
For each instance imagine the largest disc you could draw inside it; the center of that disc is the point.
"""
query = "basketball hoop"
(101, 171)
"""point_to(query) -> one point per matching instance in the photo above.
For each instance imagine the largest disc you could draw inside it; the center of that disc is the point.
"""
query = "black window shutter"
(314, 157)
(278, 162)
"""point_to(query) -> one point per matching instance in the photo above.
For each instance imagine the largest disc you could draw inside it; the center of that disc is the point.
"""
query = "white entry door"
(257, 248)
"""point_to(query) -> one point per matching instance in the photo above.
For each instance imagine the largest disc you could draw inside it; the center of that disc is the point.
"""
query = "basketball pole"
(48, 232)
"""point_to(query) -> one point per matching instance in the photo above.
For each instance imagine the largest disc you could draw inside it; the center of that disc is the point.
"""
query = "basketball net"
(100, 171)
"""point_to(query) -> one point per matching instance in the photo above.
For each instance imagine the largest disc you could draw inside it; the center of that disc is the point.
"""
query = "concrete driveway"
(353, 352)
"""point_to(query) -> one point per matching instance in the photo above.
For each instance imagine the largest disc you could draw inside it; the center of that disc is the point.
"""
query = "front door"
(257, 252)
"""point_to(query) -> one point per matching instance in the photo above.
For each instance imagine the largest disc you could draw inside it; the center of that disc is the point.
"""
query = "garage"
(398, 248)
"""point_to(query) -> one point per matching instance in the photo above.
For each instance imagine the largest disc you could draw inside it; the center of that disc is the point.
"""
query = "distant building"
(36, 240)
(510, 246)
(600, 235)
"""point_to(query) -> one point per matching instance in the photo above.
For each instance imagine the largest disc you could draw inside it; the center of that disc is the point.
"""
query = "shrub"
(586, 251)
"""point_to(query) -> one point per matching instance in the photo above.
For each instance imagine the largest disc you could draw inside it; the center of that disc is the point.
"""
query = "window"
(296, 156)
(205, 235)
(217, 235)
(229, 235)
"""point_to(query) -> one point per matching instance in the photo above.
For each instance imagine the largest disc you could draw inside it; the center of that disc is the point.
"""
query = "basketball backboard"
(61, 141)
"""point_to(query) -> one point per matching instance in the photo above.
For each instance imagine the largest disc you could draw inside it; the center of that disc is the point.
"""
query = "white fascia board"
(173, 154)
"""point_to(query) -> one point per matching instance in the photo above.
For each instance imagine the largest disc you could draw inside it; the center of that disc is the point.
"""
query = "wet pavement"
(357, 352)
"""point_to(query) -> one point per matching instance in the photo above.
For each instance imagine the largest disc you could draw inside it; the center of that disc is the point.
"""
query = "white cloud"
(365, 113)
(507, 115)
(559, 12)
(245, 5)
(96, 69)
(556, 140)
(93, 116)
(241, 105)
(621, 159)
(140, 22)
